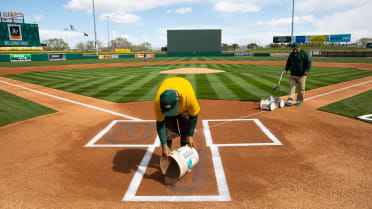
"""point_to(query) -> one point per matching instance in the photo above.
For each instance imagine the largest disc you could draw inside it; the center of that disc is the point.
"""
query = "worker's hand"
(285, 72)
(166, 151)
(192, 142)
(306, 73)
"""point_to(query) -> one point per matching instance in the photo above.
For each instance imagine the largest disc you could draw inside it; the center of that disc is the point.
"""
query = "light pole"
(108, 33)
(68, 43)
(292, 20)
(95, 33)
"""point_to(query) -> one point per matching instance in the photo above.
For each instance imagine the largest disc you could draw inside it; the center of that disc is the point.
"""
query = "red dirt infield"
(323, 162)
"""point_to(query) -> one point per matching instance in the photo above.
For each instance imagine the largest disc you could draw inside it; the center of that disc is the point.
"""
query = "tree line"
(118, 43)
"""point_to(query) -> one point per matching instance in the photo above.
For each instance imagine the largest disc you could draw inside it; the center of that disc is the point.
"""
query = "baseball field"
(81, 134)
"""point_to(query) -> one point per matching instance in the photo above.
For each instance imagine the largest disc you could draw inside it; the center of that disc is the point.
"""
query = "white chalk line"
(71, 101)
(92, 142)
(223, 190)
(337, 90)
(366, 117)
(138, 176)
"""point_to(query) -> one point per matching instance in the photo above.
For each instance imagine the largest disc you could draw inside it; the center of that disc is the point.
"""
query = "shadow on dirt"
(128, 160)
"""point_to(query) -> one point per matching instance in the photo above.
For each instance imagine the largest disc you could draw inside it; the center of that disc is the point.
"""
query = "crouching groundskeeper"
(176, 113)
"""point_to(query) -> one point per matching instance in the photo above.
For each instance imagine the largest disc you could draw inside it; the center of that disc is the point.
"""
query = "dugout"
(204, 42)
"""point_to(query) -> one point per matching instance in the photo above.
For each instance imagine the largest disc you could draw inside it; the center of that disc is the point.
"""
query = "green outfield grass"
(175, 59)
(14, 108)
(352, 107)
(140, 83)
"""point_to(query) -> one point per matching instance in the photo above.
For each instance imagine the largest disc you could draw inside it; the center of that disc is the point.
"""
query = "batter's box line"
(92, 142)
(266, 131)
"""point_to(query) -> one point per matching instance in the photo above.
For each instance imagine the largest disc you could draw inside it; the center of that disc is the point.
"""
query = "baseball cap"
(294, 45)
(169, 103)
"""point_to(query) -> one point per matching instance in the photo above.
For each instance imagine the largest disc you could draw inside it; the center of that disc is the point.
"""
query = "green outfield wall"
(194, 42)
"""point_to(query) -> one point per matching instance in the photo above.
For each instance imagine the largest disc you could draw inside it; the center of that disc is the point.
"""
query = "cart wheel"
(260, 105)
(272, 106)
(281, 103)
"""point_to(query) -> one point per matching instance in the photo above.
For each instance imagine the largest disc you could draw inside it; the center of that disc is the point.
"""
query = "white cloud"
(233, 6)
(169, 11)
(183, 10)
(67, 36)
(120, 17)
(288, 20)
(126, 6)
(319, 6)
(355, 21)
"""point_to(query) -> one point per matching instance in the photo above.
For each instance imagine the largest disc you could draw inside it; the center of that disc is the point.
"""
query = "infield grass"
(14, 108)
(177, 59)
(352, 107)
(140, 83)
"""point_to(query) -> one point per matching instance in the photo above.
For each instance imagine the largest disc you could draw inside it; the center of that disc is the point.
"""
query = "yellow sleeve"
(158, 114)
(193, 106)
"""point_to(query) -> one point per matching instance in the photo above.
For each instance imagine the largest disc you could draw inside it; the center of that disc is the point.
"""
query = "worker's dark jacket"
(298, 63)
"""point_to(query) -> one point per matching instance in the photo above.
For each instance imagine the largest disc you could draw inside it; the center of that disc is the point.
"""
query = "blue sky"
(241, 21)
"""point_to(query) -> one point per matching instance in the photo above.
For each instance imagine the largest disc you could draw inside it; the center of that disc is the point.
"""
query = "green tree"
(275, 46)
(146, 46)
(55, 44)
(235, 46)
(121, 43)
(252, 46)
(81, 45)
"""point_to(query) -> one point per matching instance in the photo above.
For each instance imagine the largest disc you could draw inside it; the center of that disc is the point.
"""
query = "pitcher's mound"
(191, 71)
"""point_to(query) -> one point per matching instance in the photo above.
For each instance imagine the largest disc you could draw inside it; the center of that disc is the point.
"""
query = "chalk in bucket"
(185, 158)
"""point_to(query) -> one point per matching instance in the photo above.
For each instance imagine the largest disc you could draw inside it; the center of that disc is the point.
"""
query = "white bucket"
(186, 158)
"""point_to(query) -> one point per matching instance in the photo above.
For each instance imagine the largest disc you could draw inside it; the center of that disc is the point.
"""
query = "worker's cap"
(294, 45)
(169, 102)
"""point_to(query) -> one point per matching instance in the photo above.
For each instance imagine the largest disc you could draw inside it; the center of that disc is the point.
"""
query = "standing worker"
(145, 57)
(299, 64)
(176, 113)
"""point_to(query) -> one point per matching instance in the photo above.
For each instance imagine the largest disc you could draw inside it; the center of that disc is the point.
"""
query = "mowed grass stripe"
(249, 87)
(138, 94)
(327, 73)
(14, 108)
(96, 88)
(239, 82)
(258, 86)
(222, 91)
(238, 91)
(114, 87)
(203, 88)
(127, 87)
(151, 92)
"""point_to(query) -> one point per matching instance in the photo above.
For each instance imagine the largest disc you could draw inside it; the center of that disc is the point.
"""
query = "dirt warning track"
(322, 160)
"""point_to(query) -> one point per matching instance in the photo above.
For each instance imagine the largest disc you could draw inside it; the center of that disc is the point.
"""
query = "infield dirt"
(324, 161)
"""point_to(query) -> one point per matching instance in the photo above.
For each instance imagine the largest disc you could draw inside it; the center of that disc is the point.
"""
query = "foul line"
(337, 90)
(71, 101)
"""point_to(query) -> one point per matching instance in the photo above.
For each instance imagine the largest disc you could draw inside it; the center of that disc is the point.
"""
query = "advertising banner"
(340, 38)
(19, 35)
(53, 57)
(282, 39)
(243, 54)
(143, 55)
(319, 38)
(20, 57)
(108, 56)
(300, 39)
